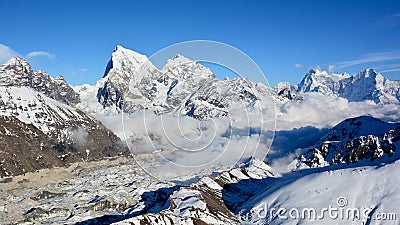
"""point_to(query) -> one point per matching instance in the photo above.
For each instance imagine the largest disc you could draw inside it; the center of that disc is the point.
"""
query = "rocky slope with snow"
(40, 128)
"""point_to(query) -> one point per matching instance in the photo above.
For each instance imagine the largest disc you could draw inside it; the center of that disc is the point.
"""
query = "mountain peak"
(18, 73)
(176, 61)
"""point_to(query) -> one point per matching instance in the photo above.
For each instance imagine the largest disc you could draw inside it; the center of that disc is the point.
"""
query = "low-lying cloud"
(323, 111)
(171, 146)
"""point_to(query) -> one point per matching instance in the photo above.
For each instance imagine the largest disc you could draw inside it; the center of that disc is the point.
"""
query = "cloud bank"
(323, 111)
(176, 147)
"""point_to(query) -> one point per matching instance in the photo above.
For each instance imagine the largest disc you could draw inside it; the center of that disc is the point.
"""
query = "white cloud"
(185, 146)
(83, 70)
(298, 65)
(331, 68)
(301, 124)
(38, 54)
(390, 70)
(323, 111)
(369, 58)
(6, 53)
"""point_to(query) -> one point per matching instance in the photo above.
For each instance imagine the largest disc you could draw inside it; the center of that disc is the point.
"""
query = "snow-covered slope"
(40, 128)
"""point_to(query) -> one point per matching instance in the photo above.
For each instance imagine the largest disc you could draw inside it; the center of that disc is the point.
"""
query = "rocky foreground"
(118, 191)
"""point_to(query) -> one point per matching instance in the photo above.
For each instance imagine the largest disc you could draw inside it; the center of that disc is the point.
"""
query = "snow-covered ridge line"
(365, 85)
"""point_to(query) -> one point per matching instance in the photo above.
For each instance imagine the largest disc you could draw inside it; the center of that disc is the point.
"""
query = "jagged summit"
(18, 65)
(122, 56)
(15, 71)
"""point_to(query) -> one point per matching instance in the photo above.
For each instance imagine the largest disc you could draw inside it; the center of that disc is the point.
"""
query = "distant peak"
(370, 71)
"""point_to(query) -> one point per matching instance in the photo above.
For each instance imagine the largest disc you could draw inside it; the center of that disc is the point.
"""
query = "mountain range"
(46, 123)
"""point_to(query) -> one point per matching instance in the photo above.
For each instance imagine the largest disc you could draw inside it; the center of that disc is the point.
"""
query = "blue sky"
(285, 38)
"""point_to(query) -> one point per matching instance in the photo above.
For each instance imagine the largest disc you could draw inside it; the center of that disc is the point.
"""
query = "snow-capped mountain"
(132, 83)
(40, 128)
(365, 85)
